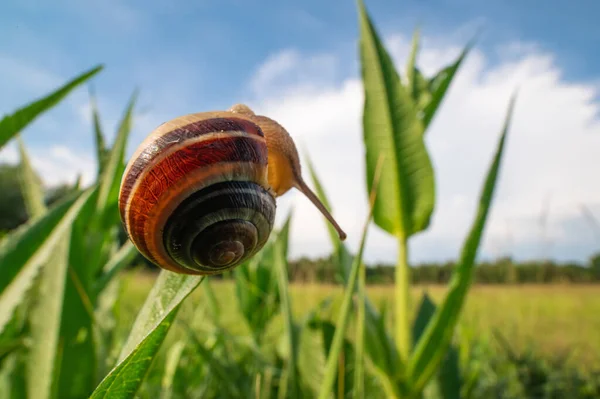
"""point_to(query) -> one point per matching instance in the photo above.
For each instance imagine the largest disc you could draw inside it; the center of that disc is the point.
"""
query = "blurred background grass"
(555, 319)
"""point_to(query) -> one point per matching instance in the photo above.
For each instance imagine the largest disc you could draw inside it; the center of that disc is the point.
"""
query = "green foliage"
(60, 330)
(391, 128)
(13, 211)
(148, 332)
(435, 341)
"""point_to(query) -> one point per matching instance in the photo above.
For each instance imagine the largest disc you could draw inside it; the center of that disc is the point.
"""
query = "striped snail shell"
(198, 195)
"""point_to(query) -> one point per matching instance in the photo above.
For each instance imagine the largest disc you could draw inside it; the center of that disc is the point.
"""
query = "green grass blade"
(449, 379)
(342, 322)
(359, 366)
(392, 128)
(44, 356)
(280, 264)
(111, 178)
(101, 150)
(120, 260)
(125, 379)
(424, 314)
(412, 64)
(170, 368)
(12, 124)
(344, 313)
(222, 367)
(26, 250)
(421, 93)
(211, 298)
(169, 290)
(147, 334)
(434, 342)
(439, 85)
(31, 185)
(379, 344)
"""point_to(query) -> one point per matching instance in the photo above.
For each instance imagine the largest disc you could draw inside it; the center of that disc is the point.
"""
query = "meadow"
(554, 319)
(76, 321)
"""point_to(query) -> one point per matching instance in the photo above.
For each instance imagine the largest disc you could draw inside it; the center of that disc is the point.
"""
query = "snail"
(198, 195)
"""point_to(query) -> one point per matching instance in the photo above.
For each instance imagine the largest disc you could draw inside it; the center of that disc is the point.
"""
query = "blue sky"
(297, 61)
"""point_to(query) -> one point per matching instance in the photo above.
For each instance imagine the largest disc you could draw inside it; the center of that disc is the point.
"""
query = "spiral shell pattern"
(195, 198)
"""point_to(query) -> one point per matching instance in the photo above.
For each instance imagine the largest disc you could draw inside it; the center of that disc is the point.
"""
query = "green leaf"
(412, 64)
(311, 355)
(120, 260)
(170, 368)
(379, 345)
(280, 264)
(343, 317)
(44, 358)
(421, 93)
(78, 349)
(12, 124)
(359, 368)
(434, 342)
(439, 85)
(424, 314)
(111, 179)
(449, 379)
(106, 334)
(256, 288)
(225, 371)
(101, 150)
(147, 334)
(392, 128)
(213, 305)
(31, 185)
(26, 250)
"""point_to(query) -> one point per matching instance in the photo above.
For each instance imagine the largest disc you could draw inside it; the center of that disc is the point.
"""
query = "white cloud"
(290, 69)
(551, 152)
(56, 164)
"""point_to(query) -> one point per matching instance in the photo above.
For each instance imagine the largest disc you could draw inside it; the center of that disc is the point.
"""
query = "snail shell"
(198, 195)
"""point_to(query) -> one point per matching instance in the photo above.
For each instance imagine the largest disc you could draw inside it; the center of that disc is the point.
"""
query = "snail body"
(198, 195)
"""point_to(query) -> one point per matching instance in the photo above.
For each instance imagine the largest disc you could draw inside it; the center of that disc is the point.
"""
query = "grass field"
(560, 319)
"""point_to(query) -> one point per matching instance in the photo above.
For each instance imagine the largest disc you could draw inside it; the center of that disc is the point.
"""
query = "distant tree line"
(501, 271)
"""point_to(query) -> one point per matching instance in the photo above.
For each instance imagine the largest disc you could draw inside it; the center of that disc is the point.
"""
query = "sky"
(297, 62)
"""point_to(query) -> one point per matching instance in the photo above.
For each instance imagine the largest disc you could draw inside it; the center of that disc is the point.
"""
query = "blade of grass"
(412, 64)
(111, 178)
(280, 264)
(11, 124)
(434, 342)
(120, 260)
(344, 313)
(213, 305)
(221, 369)
(379, 344)
(101, 150)
(449, 379)
(31, 185)
(147, 334)
(44, 354)
(170, 368)
(24, 252)
(439, 85)
(359, 367)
